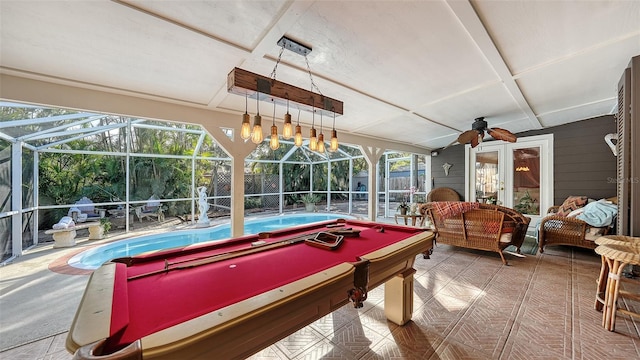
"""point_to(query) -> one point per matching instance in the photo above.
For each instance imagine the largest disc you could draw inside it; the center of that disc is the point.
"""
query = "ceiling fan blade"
(467, 136)
(477, 139)
(502, 134)
(451, 143)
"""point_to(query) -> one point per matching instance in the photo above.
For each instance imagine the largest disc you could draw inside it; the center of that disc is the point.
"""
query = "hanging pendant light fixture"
(297, 139)
(245, 131)
(313, 140)
(243, 82)
(274, 143)
(321, 146)
(287, 130)
(256, 134)
(333, 146)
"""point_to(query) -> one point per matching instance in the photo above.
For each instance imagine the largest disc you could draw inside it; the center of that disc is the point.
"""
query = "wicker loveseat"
(565, 229)
(479, 226)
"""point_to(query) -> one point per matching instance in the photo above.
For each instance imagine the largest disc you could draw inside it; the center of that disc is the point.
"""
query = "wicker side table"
(616, 252)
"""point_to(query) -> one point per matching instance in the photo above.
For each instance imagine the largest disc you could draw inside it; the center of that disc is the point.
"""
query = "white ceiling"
(416, 72)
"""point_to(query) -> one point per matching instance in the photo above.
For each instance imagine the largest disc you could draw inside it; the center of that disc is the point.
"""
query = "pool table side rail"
(213, 244)
(92, 320)
(244, 328)
(395, 259)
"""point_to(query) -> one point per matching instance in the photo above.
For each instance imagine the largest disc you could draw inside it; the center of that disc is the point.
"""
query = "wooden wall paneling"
(455, 156)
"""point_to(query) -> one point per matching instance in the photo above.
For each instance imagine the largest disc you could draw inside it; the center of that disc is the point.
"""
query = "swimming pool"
(93, 258)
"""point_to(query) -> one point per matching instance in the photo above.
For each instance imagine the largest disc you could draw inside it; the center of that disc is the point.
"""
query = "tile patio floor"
(467, 305)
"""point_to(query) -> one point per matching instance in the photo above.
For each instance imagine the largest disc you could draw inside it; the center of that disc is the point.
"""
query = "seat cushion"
(506, 237)
(594, 233)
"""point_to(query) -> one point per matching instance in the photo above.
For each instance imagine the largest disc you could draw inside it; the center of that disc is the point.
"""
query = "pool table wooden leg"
(358, 294)
(398, 297)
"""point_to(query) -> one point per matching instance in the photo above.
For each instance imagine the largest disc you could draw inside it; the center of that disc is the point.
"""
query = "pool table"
(231, 298)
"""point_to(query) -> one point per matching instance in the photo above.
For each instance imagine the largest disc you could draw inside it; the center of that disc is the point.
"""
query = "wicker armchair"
(562, 230)
(489, 227)
(443, 194)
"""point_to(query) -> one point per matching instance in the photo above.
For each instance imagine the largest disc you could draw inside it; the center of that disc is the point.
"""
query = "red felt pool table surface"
(146, 299)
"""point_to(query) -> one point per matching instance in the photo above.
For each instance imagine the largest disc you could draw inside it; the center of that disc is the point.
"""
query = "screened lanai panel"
(288, 151)
(6, 240)
(28, 228)
(421, 174)
(297, 155)
(340, 180)
(67, 177)
(164, 178)
(400, 168)
(263, 152)
(352, 151)
(40, 126)
(166, 138)
(210, 149)
(5, 176)
(382, 185)
(316, 157)
(296, 176)
(109, 135)
(262, 178)
(215, 176)
(320, 174)
(27, 179)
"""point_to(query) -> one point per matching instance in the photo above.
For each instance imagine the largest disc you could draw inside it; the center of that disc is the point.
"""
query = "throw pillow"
(508, 226)
(570, 204)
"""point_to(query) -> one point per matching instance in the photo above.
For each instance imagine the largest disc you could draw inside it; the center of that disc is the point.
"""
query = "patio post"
(372, 155)
(16, 198)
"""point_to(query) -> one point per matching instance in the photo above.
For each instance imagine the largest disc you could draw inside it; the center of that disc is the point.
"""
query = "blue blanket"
(599, 213)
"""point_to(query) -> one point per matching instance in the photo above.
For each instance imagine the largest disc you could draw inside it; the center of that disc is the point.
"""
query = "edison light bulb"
(321, 143)
(256, 135)
(274, 143)
(333, 146)
(297, 139)
(313, 140)
(287, 130)
(245, 131)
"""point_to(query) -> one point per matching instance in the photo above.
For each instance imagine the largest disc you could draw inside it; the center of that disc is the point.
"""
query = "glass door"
(516, 175)
(487, 175)
(525, 188)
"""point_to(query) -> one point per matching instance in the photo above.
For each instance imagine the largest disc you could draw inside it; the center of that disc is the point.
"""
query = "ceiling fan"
(476, 134)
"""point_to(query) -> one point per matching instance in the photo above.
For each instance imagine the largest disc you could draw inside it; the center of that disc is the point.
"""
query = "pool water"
(93, 258)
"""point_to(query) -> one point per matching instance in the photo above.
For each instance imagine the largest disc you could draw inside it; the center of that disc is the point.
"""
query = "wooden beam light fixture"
(243, 82)
(262, 88)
